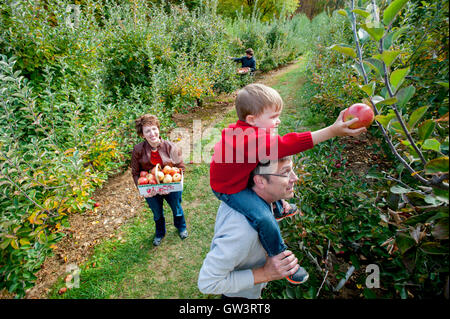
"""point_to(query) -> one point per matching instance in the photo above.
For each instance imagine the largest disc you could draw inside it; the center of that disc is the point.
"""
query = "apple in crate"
(167, 178)
(143, 174)
(151, 179)
(143, 180)
(160, 176)
(176, 177)
(167, 169)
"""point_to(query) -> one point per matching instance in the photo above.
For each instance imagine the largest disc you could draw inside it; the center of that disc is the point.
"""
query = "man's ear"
(259, 181)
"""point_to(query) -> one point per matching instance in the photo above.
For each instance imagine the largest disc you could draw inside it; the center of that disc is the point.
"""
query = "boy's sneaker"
(299, 277)
(293, 211)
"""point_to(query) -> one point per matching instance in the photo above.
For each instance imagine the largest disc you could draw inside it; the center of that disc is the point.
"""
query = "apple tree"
(415, 128)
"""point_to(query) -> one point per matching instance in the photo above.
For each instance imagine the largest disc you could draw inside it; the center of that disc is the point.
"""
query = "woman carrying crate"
(148, 154)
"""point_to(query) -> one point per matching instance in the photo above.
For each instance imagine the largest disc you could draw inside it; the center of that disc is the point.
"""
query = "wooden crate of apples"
(169, 179)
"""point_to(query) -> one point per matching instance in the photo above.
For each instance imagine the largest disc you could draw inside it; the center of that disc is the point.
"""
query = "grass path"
(130, 267)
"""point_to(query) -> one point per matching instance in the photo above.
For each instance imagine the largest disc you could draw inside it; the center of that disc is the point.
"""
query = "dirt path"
(120, 202)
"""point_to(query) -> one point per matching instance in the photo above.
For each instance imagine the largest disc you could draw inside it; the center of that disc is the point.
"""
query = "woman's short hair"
(146, 119)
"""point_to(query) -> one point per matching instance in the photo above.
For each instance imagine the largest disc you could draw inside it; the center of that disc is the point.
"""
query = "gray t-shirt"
(235, 251)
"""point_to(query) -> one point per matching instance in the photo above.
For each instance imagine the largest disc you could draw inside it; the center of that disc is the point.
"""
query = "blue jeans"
(260, 217)
(156, 205)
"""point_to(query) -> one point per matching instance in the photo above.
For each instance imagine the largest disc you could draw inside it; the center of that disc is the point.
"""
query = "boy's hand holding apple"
(346, 128)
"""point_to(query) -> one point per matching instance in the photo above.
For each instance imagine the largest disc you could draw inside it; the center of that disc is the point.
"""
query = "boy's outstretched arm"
(339, 128)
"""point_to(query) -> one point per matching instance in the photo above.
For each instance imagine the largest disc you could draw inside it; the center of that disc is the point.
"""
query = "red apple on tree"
(361, 111)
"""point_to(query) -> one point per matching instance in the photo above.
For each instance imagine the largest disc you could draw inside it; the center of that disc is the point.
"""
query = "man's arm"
(230, 248)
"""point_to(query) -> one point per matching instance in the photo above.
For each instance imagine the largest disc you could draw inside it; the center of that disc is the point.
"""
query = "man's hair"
(263, 168)
(146, 119)
(255, 98)
(249, 51)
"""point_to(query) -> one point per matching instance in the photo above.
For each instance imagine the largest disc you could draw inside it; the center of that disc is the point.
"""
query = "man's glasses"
(291, 173)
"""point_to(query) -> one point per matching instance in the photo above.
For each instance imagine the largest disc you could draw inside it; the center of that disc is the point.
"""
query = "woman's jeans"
(156, 205)
(259, 215)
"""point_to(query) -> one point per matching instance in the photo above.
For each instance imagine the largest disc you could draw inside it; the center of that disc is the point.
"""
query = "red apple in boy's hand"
(361, 111)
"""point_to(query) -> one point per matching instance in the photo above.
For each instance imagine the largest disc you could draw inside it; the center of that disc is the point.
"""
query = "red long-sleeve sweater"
(240, 149)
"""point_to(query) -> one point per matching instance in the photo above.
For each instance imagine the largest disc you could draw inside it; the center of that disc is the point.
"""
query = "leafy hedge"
(71, 87)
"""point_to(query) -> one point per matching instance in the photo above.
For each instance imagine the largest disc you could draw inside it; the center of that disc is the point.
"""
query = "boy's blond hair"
(254, 99)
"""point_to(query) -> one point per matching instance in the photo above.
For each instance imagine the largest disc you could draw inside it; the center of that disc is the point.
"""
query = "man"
(237, 264)
(248, 61)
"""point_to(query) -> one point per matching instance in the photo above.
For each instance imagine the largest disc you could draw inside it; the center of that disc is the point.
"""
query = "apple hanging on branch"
(361, 111)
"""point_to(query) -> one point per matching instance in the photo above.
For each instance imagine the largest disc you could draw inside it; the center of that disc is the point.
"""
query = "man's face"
(280, 187)
(248, 55)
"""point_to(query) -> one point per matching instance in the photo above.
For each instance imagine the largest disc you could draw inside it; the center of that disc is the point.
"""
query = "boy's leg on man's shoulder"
(259, 216)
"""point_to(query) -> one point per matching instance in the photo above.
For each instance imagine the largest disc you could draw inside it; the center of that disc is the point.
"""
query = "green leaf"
(417, 115)
(375, 33)
(431, 144)
(391, 37)
(388, 101)
(362, 13)
(397, 77)
(405, 94)
(444, 84)
(397, 127)
(441, 194)
(433, 248)
(396, 189)
(376, 65)
(377, 99)
(363, 35)
(369, 89)
(399, 32)
(385, 119)
(421, 218)
(358, 68)
(342, 12)
(5, 243)
(425, 129)
(346, 50)
(437, 165)
(392, 10)
(387, 57)
(404, 242)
